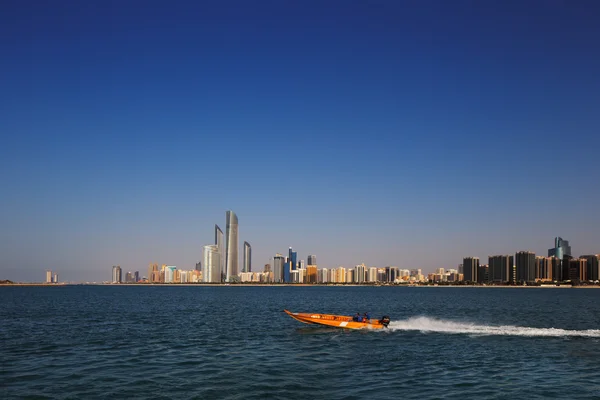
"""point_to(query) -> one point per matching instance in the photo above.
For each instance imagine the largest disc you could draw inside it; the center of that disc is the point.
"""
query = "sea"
(234, 342)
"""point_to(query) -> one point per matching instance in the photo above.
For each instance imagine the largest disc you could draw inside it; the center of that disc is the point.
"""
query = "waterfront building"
(340, 275)
(483, 273)
(525, 266)
(49, 276)
(556, 267)
(279, 267)
(381, 275)
(349, 275)
(292, 259)
(460, 269)
(592, 266)
(471, 268)
(247, 267)
(55, 278)
(170, 276)
(220, 243)
(372, 274)
(128, 277)
(312, 260)
(116, 274)
(500, 269)
(231, 246)
(211, 264)
(391, 273)
(561, 248)
(311, 274)
(322, 275)
(152, 273)
(301, 275)
(578, 269)
(359, 273)
(198, 266)
(267, 268)
(543, 268)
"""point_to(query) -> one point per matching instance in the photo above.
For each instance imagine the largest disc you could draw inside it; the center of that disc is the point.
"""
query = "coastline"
(33, 284)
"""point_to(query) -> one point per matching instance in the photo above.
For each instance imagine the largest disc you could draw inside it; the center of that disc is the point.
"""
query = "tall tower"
(525, 266)
(221, 248)
(470, 268)
(312, 260)
(279, 268)
(231, 246)
(247, 267)
(211, 264)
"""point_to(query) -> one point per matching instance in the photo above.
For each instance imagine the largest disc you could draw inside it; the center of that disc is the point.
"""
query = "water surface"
(87, 342)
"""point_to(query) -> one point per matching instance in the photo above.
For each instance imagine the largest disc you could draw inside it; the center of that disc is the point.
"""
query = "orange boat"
(339, 321)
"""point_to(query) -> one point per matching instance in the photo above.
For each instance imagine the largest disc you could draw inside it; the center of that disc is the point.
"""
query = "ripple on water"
(225, 342)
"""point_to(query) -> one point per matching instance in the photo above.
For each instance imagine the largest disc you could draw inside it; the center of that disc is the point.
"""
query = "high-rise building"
(577, 269)
(312, 260)
(292, 259)
(247, 266)
(231, 246)
(211, 264)
(525, 266)
(116, 274)
(198, 266)
(372, 274)
(592, 266)
(501, 269)
(267, 268)
(279, 267)
(471, 268)
(48, 276)
(483, 273)
(561, 248)
(359, 273)
(221, 246)
(543, 268)
(55, 278)
(311, 274)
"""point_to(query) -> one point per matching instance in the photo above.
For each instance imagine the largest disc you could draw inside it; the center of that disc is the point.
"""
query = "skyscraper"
(593, 268)
(471, 268)
(312, 260)
(278, 268)
(292, 259)
(543, 268)
(49, 276)
(211, 264)
(231, 246)
(221, 247)
(247, 267)
(525, 266)
(501, 268)
(561, 248)
(116, 274)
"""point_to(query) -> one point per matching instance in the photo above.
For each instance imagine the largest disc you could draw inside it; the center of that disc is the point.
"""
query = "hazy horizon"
(387, 133)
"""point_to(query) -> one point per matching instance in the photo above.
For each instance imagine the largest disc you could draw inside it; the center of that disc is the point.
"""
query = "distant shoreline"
(548, 286)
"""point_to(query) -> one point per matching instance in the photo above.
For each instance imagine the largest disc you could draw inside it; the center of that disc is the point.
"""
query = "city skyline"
(402, 133)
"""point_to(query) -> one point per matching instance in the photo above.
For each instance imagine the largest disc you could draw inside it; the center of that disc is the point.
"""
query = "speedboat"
(339, 321)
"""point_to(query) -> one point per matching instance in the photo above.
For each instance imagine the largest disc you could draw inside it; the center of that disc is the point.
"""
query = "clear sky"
(385, 132)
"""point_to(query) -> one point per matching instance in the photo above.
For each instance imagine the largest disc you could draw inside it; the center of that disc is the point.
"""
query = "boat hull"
(336, 321)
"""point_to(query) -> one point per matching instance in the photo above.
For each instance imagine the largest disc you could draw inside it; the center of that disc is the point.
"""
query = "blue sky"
(384, 132)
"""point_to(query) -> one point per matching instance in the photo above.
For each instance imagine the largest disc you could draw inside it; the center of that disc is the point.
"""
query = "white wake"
(426, 324)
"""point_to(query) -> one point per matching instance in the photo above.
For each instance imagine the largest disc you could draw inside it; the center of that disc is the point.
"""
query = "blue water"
(87, 342)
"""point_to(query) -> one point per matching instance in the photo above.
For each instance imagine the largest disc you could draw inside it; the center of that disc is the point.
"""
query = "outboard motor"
(385, 320)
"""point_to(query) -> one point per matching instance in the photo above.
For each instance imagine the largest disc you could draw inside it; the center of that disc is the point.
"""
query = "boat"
(339, 321)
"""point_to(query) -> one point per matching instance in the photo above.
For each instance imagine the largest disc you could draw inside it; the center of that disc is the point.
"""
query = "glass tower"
(231, 246)
(211, 265)
(219, 243)
(247, 267)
